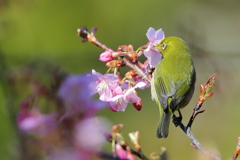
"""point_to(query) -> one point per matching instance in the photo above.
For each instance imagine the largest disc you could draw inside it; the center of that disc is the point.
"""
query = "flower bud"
(138, 105)
(106, 56)
(114, 64)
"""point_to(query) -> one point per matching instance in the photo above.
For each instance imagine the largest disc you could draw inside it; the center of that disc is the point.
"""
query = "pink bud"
(106, 56)
(138, 105)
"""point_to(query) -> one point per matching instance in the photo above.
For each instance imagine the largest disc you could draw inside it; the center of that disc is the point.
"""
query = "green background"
(34, 31)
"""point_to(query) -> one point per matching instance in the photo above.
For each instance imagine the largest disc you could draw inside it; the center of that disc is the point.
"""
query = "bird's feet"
(178, 121)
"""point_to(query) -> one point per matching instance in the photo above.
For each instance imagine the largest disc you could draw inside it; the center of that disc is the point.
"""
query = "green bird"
(173, 80)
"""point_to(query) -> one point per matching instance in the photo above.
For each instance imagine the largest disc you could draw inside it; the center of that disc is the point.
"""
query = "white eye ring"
(164, 45)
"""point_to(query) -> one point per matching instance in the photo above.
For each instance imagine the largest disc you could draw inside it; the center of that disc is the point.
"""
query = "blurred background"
(36, 36)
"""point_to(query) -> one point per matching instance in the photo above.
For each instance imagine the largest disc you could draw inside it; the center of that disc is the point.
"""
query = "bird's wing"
(171, 93)
(183, 91)
(163, 91)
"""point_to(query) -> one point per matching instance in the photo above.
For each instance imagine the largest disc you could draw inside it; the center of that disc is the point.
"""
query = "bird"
(173, 80)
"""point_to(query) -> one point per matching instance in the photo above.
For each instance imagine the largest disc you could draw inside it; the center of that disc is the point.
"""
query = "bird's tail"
(163, 126)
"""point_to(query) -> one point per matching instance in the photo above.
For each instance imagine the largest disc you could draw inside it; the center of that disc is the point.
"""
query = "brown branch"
(106, 156)
(139, 154)
(136, 68)
(237, 150)
(197, 145)
(205, 93)
(87, 37)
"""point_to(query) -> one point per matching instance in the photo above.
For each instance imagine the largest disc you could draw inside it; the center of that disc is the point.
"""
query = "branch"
(205, 93)
(108, 156)
(237, 151)
(90, 37)
(116, 138)
(197, 145)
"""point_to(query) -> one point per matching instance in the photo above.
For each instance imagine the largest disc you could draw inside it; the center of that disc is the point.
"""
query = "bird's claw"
(177, 120)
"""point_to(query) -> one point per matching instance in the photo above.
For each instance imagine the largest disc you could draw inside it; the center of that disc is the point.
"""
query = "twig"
(139, 154)
(108, 156)
(237, 150)
(136, 69)
(205, 93)
(88, 37)
(197, 145)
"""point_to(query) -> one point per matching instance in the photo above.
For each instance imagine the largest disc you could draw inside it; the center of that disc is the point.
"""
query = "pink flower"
(152, 54)
(106, 56)
(105, 84)
(109, 90)
(120, 101)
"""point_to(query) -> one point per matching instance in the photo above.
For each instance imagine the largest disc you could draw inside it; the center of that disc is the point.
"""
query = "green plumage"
(173, 81)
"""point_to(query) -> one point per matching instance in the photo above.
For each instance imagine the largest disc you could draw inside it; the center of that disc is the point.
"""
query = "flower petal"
(150, 34)
(159, 35)
(153, 57)
(140, 84)
(132, 97)
(111, 78)
(118, 103)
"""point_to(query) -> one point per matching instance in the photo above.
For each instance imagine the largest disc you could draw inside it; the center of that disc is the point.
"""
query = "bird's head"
(169, 44)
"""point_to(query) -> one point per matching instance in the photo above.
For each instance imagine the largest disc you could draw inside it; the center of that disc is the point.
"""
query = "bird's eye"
(164, 45)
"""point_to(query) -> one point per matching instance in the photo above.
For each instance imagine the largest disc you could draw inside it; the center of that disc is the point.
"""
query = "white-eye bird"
(173, 80)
